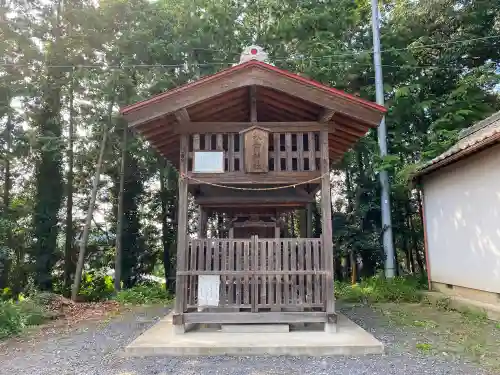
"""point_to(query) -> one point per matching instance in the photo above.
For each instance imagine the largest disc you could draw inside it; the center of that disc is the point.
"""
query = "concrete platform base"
(255, 328)
(459, 303)
(350, 339)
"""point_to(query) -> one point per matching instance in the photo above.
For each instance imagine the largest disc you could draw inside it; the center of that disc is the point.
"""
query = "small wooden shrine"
(253, 142)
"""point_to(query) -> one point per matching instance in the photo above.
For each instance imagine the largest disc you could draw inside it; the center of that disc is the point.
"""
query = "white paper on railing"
(208, 290)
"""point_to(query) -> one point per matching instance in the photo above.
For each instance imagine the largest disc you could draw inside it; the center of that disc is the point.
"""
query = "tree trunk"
(119, 224)
(354, 268)
(68, 246)
(7, 263)
(90, 211)
(49, 176)
(418, 254)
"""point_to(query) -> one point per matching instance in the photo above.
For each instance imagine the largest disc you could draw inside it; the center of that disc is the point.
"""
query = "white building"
(461, 201)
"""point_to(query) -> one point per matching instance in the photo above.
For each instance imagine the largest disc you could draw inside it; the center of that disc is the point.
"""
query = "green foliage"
(11, 320)
(16, 316)
(435, 85)
(443, 303)
(144, 294)
(424, 346)
(475, 315)
(96, 287)
(378, 289)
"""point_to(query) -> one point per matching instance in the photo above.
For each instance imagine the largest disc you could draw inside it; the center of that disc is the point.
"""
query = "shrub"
(144, 294)
(11, 320)
(380, 289)
(96, 286)
(15, 316)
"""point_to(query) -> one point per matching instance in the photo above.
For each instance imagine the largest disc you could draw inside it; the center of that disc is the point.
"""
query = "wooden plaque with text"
(256, 143)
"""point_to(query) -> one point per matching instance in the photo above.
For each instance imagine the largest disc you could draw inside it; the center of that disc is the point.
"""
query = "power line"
(167, 66)
(284, 59)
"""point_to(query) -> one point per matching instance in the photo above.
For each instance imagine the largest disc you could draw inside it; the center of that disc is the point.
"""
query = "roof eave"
(459, 155)
(252, 63)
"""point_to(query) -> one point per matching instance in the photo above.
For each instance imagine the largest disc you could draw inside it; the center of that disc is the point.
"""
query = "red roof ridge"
(238, 67)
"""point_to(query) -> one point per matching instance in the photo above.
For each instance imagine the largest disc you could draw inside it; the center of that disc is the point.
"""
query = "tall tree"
(49, 184)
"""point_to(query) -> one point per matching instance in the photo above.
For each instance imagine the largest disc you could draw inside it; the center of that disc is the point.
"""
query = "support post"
(180, 280)
(382, 141)
(202, 223)
(326, 225)
(309, 215)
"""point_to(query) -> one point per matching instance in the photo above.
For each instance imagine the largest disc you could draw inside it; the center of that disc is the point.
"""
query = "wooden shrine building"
(253, 142)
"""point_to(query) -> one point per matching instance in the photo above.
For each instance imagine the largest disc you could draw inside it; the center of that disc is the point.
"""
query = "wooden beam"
(160, 143)
(340, 141)
(259, 76)
(253, 103)
(239, 200)
(237, 96)
(339, 103)
(239, 178)
(288, 101)
(182, 116)
(350, 131)
(341, 120)
(162, 129)
(326, 115)
(278, 107)
(215, 112)
(236, 127)
(285, 114)
(255, 317)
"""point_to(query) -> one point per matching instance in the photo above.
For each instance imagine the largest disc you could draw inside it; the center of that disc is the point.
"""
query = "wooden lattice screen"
(258, 274)
(288, 152)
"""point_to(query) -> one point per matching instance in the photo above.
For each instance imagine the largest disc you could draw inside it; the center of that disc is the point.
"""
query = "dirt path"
(94, 348)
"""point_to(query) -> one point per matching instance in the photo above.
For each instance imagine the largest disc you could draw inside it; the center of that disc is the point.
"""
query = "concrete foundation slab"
(350, 339)
(255, 328)
(459, 303)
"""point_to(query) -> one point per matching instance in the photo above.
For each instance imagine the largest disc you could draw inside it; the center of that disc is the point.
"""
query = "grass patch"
(15, 317)
(425, 347)
(378, 289)
(144, 294)
(467, 334)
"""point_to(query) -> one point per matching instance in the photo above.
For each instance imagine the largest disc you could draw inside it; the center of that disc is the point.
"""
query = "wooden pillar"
(309, 216)
(202, 223)
(231, 231)
(303, 222)
(182, 221)
(326, 225)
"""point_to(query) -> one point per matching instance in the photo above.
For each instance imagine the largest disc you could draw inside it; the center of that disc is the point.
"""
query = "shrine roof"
(279, 95)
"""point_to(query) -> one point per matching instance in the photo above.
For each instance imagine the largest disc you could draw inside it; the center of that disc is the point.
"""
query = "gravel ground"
(94, 349)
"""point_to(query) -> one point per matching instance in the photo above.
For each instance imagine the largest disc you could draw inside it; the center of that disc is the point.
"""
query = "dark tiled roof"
(471, 140)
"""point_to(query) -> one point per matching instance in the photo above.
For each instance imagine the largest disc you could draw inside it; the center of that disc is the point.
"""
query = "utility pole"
(382, 142)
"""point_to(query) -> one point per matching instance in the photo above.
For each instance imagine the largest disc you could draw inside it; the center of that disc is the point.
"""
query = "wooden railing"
(258, 274)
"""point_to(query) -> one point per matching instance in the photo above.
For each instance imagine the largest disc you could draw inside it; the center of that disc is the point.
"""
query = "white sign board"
(208, 290)
(208, 162)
